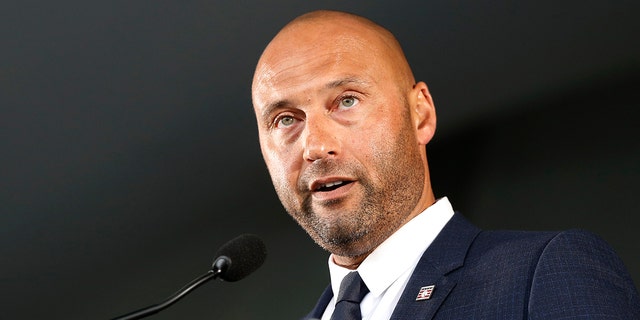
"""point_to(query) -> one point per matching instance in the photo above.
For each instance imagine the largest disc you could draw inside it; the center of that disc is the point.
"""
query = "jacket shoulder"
(545, 275)
(578, 273)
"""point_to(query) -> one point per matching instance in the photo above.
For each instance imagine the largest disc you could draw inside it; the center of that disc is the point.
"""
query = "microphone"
(234, 261)
(239, 257)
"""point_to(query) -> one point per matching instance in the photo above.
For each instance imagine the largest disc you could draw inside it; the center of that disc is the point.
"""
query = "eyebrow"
(273, 106)
(330, 85)
(345, 81)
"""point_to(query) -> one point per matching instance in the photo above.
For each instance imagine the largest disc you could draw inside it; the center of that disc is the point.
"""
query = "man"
(343, 127)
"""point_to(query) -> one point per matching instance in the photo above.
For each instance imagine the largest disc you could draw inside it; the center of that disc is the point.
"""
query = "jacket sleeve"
(579, 276)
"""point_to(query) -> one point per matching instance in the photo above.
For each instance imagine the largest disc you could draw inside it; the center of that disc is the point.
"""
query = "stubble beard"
(382, 209)
(344, 230)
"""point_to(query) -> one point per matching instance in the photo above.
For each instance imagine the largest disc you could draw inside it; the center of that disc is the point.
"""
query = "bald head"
(333, 32)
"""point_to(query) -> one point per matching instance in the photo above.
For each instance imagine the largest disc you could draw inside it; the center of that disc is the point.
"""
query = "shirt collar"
(401, 250)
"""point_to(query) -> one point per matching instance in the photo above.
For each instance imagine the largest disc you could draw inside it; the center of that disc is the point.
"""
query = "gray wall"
(129, 149)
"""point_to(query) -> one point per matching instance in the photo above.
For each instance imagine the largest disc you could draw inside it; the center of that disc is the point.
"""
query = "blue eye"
(348, 102)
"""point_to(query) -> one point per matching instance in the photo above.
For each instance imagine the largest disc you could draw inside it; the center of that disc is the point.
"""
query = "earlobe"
(424, 113)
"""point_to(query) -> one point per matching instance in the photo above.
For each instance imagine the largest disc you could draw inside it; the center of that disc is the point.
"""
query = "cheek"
(283, 166)
(373, 139)
(383, 146)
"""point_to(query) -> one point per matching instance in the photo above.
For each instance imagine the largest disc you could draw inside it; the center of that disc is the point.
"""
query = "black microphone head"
(244, 255)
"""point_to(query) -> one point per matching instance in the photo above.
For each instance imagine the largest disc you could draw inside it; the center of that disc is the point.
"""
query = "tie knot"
(352, 288)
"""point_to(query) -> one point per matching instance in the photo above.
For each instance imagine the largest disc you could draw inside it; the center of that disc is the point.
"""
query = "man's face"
(337, 135)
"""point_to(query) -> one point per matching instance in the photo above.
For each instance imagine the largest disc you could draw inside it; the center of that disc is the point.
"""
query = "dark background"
(129, 151)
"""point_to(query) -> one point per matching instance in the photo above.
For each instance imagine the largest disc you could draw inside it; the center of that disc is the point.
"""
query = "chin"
(350, 246)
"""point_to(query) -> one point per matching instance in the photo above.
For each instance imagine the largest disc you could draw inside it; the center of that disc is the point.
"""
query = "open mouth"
(332, 186)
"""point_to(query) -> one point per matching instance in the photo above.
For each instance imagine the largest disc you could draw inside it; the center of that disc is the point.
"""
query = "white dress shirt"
(388, 268)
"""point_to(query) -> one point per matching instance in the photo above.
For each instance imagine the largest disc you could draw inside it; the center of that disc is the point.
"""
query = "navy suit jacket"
(515, 275)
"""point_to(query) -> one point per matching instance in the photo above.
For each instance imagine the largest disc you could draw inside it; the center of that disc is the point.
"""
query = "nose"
(320, 140)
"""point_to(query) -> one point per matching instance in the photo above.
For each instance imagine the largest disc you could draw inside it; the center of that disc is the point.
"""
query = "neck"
(350, 263)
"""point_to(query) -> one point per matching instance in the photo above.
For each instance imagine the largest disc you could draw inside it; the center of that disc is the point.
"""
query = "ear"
(423, 112)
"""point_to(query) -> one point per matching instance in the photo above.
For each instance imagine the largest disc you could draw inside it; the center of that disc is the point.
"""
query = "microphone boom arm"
(152, 309)
(235, 260)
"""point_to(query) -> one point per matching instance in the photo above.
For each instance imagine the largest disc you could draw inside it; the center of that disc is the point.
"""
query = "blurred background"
(129, 151)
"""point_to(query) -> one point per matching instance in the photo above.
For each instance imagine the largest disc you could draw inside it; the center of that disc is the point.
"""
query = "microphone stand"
(249, 253)
(219, 267)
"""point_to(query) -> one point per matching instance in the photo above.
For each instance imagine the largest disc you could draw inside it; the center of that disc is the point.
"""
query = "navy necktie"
(352, 290)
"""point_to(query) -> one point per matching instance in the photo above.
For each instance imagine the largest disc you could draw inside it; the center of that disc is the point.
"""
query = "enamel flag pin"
(425, 293)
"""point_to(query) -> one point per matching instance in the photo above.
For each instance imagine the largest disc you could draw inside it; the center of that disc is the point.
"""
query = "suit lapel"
(321, 305)
(439, 267)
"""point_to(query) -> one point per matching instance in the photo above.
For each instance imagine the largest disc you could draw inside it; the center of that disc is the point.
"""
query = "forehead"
(304, 58)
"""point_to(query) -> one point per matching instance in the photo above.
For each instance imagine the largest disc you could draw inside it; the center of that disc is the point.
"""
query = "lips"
(331, 189)
(330, 186)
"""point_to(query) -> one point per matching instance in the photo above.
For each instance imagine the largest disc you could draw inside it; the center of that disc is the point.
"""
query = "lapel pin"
(425, 293)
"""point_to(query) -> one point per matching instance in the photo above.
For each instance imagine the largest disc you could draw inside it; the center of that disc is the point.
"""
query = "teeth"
(331, 184)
